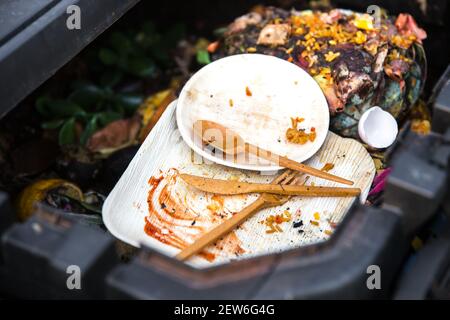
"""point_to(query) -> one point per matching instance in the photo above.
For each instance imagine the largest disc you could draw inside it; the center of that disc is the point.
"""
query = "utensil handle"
(308, 191)
(221, 230)
(291, 164)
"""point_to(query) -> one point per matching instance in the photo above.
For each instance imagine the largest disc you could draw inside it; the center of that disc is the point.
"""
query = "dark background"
(202, 17)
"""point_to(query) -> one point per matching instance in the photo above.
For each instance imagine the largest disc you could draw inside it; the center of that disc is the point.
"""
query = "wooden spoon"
(231, 143)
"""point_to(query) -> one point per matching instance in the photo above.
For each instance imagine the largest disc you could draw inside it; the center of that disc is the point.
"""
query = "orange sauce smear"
(172, 222)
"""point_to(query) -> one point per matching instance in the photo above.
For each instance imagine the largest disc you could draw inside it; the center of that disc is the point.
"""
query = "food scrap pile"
(273, 221)
(300, 136)
(356, 61)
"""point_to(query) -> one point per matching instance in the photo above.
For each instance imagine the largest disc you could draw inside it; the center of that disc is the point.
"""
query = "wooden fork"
(264, 201)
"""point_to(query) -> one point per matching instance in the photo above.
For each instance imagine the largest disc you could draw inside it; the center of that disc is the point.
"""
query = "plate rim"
(206, 155)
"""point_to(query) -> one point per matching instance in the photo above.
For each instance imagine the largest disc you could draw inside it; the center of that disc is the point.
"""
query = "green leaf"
(63, 108)
(129, 101)
(54, 124)
(41, 105)
(91, 127)
(87, 96)
(107, 117)
(111, 78)
(67, 132)
(141, 67)
(203, 57)
(107, 56)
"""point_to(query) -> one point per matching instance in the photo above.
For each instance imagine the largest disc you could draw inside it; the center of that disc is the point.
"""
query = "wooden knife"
(227, 187)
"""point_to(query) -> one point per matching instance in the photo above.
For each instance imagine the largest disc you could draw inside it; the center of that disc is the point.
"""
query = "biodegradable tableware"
(126, 209)
(266, 200)
(255, 96)
(232, 144)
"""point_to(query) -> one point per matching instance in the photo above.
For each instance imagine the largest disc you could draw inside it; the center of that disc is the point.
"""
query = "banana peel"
(38, 191)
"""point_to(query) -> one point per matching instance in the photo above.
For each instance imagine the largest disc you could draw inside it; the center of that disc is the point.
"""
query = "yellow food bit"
(316, 215)
(218, 199)
(277, 20)
(325, 71)
(360, 37)
(213, 207)
(287, 214)
(394, 54)
(273, 221)
(314, 223)
(230, 102)
(299, 31)
(364, 22)
(401, 42)
(289, 51)
(299, 136)
(327, 167)
(328, 232)
(330, 56)
(296, 121)
(251, 50)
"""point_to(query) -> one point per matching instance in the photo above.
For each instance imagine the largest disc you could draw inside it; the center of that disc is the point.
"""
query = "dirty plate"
(256, 96)
(150, 206)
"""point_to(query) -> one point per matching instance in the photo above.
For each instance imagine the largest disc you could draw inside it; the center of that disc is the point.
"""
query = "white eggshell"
(377, 128)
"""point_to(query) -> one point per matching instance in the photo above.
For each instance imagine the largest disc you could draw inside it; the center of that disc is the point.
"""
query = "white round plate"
(279, 91)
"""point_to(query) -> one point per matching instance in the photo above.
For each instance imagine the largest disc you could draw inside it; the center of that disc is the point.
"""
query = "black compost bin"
(35, 254)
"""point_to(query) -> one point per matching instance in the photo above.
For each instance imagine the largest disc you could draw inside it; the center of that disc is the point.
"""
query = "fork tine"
(281, 177)
(290, 178)
(297, 179)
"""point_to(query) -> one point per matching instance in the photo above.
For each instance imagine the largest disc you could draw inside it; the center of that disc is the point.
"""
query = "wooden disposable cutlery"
(284, 185)
(236, 187)
(231, 143)
(266, 200)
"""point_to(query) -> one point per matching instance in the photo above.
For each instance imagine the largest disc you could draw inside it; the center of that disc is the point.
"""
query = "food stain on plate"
(178, 215)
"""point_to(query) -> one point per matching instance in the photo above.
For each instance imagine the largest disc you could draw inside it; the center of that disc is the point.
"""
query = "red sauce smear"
(172, 222)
